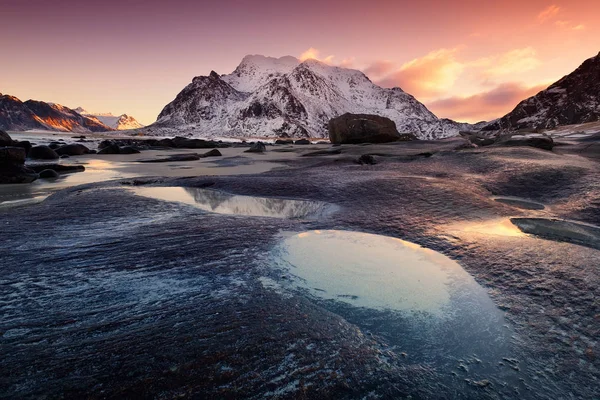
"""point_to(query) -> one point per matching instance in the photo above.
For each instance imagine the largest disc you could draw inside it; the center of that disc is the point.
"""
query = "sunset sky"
(468, 60)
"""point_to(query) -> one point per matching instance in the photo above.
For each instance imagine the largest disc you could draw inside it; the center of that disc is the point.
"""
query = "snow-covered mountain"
(574, 99)
(16, 115)
(267, 97)
(118, 122)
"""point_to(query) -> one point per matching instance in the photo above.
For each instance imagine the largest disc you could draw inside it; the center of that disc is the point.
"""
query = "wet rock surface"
(113, 295)
(364, 128)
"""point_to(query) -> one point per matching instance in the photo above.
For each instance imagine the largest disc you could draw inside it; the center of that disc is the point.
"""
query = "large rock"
(74, 149)
(12, 156)
(5, 139)
(544, 142)
(12, 168)
(42, 153)
(364, 128)
(258, 147)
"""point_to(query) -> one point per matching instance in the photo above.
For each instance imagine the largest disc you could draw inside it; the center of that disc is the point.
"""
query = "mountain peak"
(574, 99)
(267, 96)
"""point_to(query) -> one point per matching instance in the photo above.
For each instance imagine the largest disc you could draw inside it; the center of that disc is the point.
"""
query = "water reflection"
(422, 302)
(224, 203)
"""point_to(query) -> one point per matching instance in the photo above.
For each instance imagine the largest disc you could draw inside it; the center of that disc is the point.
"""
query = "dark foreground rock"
(367, 159)
(73, 149)
(364, 128)
(544, 143)
(49, 174)
(42, 153)
(62, 168)
(12, 166)
(258, 147)
(302, 141)
(5, 139)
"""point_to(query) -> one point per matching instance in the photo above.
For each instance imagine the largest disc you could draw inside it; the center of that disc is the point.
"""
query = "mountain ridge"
(16, 115)
(573, 99)
(117, 122)
(269, 97)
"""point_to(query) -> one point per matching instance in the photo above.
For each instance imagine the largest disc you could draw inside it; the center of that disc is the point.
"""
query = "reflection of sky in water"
(495, 227)
(373, 271)
(223, 203)
(421, 301)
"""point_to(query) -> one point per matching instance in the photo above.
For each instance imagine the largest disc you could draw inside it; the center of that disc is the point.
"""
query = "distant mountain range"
(574, 99)
(116, 122)
(16, 115)
(268, 97)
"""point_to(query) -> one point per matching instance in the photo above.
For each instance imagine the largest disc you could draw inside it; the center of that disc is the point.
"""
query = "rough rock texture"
(363, 128)
(42, 153)
(12, 166)
(574, 99)
(73, 149)
(285, 97)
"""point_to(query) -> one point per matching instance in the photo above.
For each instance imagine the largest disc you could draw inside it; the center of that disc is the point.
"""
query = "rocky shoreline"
(113, 295)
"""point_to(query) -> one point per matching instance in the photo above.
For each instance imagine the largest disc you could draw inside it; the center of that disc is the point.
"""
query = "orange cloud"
(484, 106)
(509, 63)
(569, 25)
(313, 54)
(548, 13)
(428, 76)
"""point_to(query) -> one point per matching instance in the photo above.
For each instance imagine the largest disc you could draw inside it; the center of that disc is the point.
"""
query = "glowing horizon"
(466, 60)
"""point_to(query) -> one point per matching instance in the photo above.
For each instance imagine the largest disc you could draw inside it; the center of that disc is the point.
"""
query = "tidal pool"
(224, 203)
(422, 302)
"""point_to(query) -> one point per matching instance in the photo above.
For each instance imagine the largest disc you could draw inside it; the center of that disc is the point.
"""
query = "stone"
(74, 149)
(42, 153)
(12, 156)
(212, 153)
(284, 141)
(364, 128)
(5, 139)
(63, 168)
(128, 150)
(110, 148)
(367, 159)
(258, 147)
(49, 174)
(302, 141)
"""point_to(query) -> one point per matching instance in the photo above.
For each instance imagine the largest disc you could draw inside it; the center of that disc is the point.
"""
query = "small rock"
(367, 159)
(258, 147)
(302, 141)
(128, 150)
(111, 148)
(212, 153)
(49, 174)
(74, 149)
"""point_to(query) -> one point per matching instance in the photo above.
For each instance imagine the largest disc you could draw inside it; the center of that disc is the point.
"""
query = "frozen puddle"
(224, 203)
(375, 271)
(421, 300)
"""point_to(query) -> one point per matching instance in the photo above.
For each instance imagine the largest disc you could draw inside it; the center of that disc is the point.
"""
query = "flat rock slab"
(560, 230)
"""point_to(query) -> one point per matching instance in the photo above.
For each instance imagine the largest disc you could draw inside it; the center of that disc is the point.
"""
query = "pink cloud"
(486, 105)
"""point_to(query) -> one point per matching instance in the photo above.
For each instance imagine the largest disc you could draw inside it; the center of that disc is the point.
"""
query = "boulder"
(367, 159)
(74, 149)
(284, 141)
(477, 138)
(212, 153)
(42, 153)
(12, 156)
(49, 174)
(12, 166)
(364, 128)
(128, 150)
(111, 148)
(25, 144)
(302, 141)
(185, 143)
(258, 147)
(63, 168)
(5, 139)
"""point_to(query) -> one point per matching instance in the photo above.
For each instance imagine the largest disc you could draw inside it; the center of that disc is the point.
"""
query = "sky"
(469, 60)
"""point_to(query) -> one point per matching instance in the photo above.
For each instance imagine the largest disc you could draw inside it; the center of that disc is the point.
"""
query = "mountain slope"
(574, 99)
(270, 97)
(16, 115)
(118, 122)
